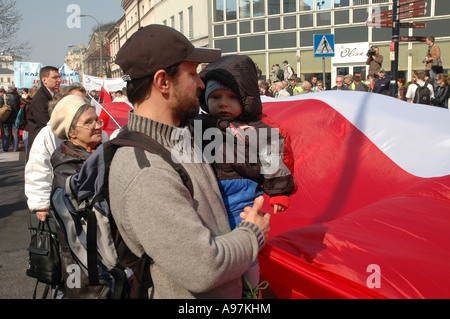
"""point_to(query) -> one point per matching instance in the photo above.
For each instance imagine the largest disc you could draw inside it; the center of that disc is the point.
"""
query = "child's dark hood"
(238, 72)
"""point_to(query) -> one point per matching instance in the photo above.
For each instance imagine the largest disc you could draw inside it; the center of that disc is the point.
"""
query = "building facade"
(190, 17)
(7, 70)
(98, 54)
(271, 31)
(75, 57)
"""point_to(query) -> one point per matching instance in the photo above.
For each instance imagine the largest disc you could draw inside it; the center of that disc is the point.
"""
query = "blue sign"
(26, 74)
(323, 45)
(69, 76)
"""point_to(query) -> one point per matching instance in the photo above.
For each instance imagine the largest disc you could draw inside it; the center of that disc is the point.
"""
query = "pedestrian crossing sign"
(323, 45)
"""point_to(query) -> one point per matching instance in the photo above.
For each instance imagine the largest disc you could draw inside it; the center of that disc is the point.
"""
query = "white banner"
(350, 53)
(96, 83)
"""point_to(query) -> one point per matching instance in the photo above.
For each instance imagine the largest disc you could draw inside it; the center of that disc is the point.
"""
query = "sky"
(51, 25)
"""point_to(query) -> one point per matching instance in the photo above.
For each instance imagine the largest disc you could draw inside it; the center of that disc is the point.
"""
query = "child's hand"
(278, 208)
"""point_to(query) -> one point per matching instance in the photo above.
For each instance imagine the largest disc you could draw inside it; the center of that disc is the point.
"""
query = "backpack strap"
(136, 139)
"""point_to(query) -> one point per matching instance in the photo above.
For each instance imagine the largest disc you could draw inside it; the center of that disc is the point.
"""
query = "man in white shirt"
(419, 78)
(280, 90)
(120, 97)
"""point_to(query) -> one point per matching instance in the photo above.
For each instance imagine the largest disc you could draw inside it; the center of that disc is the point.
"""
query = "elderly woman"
(442, 92)
(75, 121)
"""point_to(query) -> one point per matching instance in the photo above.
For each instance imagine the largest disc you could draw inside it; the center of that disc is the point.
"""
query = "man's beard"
(186, 109)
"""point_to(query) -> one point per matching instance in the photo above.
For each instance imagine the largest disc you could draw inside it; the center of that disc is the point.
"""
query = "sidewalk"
(14, 236)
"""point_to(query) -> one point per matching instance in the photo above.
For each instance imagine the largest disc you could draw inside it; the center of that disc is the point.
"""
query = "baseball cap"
(382, 70)
(156, 47)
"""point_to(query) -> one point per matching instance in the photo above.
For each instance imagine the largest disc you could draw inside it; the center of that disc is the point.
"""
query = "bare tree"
(10, 21)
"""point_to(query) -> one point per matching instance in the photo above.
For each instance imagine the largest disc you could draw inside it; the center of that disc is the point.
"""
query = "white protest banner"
(96, 83)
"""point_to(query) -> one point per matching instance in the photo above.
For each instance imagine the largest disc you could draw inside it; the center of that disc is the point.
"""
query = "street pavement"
(14, 235)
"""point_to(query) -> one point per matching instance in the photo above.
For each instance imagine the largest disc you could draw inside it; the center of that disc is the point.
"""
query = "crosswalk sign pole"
(323, 74)
(393, 88)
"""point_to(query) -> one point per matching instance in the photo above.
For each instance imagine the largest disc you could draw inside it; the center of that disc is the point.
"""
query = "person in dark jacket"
(246, 165)
(9, 127)
(38, 111)
(382, 84)
(442, 92)
(75, 121)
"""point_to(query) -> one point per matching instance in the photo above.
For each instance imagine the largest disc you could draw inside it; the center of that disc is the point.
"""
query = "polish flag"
(100, 110)
(371, 216)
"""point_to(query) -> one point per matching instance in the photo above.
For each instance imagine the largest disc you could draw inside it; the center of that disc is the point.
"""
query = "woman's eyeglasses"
(92, 125)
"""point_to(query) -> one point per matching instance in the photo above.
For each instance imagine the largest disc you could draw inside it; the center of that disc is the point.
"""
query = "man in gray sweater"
(195, 255)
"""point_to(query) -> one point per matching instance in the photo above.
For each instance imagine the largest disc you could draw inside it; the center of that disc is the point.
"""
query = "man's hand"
(254, 215)
(42, 215)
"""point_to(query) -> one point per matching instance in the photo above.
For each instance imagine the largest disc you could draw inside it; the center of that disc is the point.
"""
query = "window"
(323, 4)
(253, 43)
(231, 29)
(360, 15)
(259, 8)
(244, 9)
(350, 35)
(181, 17)
(341, 17)
(434, 28)
(442, 7)
(360, 2)
(172, 21)
(244, 27)
(227, 45)
(274, 7)
(218, 10)
(306, 5)
(306, 21)
(191, 23)
(323, 18)
(259, 26)
(274, 24)
(290, 22)
(283, 40)
(219, 30)
(346, 3)
(231, 9)
(289, 6)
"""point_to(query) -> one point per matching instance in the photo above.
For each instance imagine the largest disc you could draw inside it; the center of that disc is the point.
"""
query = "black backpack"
(89, 238)
(422, 95)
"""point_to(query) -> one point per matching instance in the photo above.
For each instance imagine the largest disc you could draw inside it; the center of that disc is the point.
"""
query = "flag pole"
(104, 109)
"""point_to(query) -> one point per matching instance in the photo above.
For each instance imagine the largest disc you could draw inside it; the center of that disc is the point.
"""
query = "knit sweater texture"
(195, 253)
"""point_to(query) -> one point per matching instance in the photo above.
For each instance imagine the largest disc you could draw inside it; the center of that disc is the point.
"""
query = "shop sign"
(351, 53)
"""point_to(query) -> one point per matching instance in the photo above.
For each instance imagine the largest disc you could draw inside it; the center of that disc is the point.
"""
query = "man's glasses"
(92, 125)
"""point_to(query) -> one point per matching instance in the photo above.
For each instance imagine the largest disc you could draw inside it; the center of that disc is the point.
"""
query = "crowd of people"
(194, 261)
(283, 81)
(191, 236)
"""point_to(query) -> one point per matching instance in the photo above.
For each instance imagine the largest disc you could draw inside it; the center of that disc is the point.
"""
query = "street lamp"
(320, 4)
(101, 40)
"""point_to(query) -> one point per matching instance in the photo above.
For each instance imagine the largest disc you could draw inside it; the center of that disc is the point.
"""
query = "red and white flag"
(110, 111)
(371, 216)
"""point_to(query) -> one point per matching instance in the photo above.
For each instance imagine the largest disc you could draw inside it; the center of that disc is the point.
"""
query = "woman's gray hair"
(77, 116)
